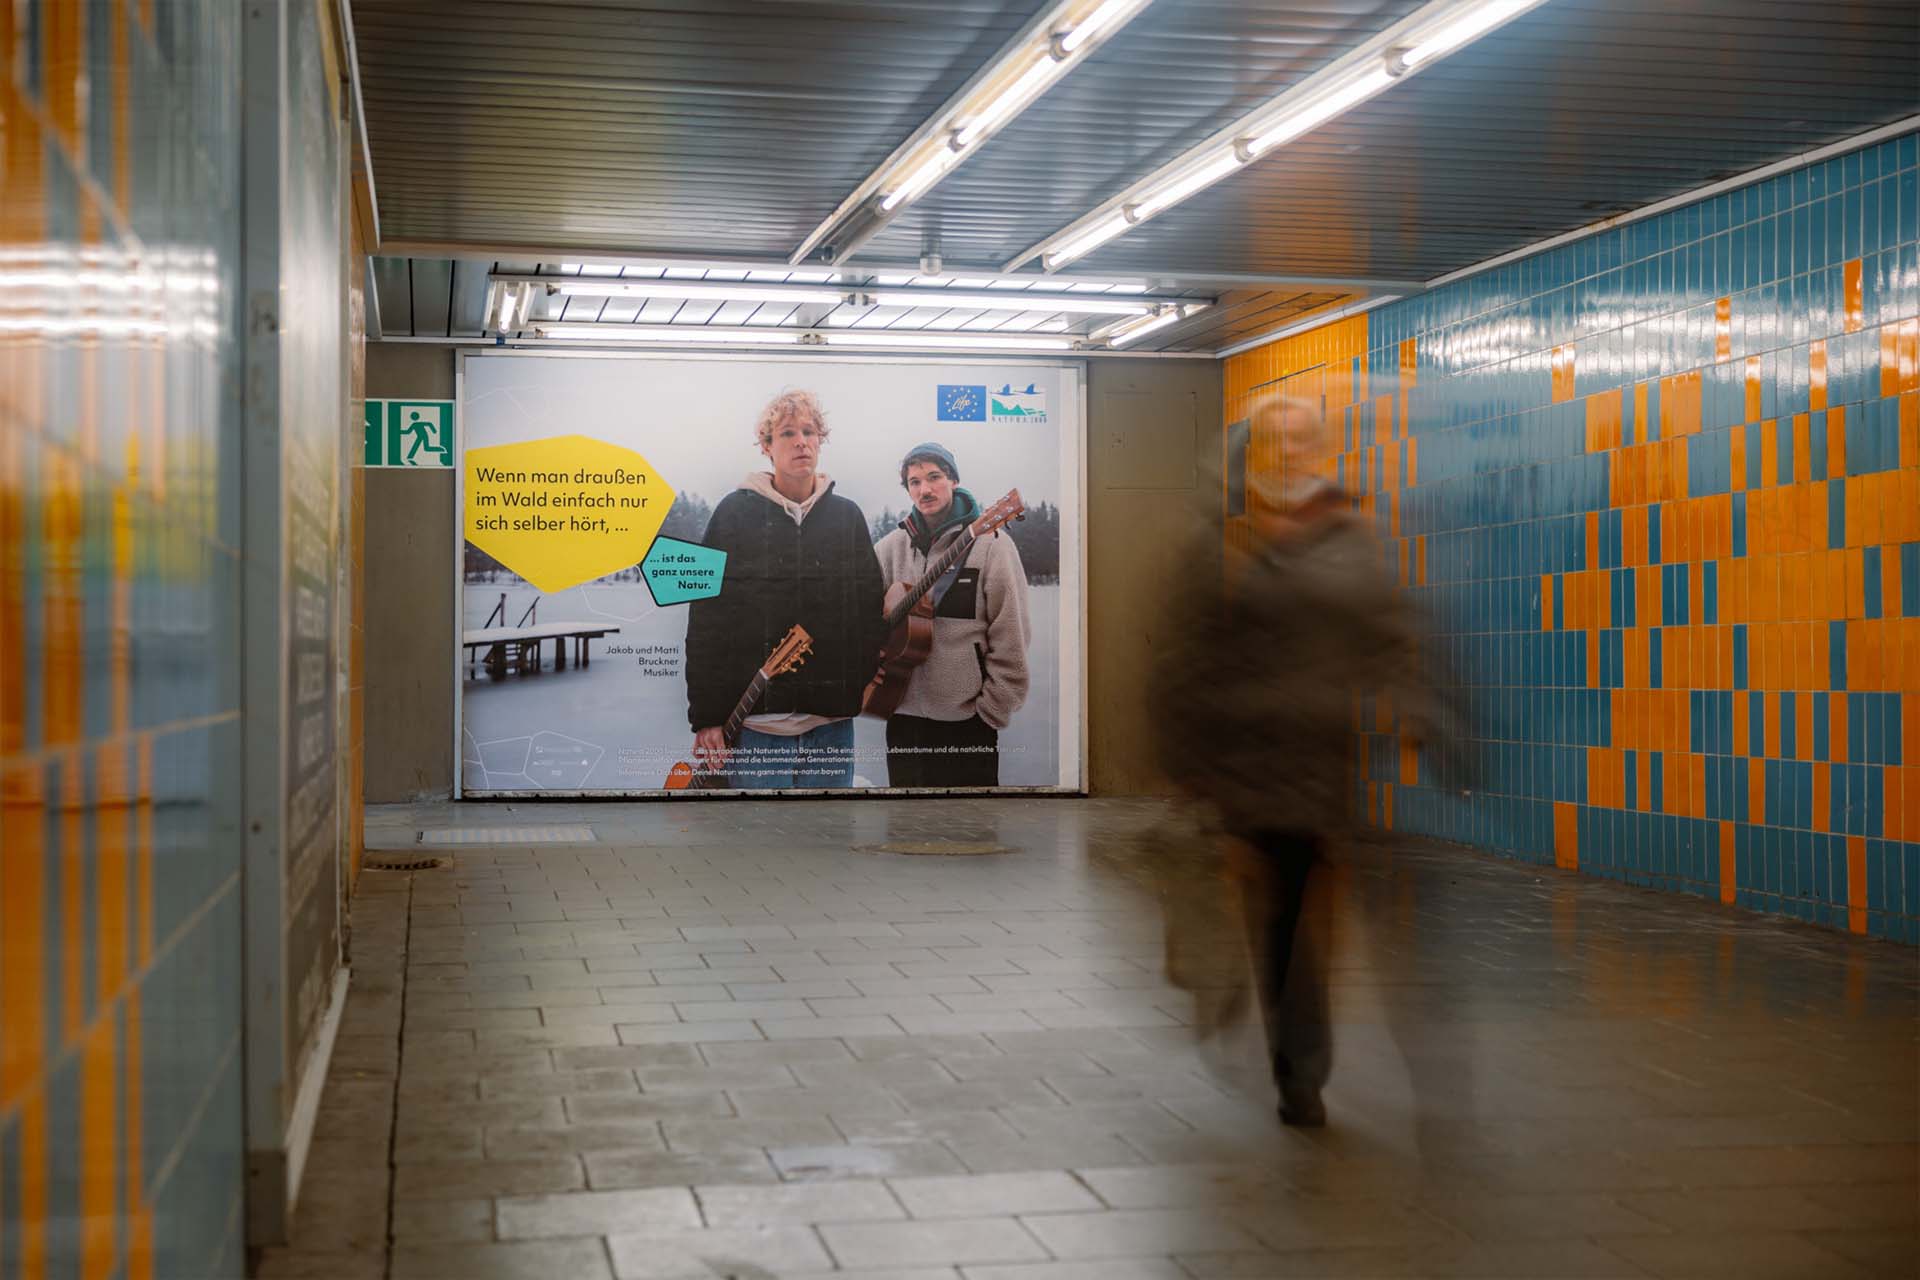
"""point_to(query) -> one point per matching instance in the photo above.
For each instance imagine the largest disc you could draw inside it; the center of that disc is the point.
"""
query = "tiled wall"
(120, 1111)
(1660, 488)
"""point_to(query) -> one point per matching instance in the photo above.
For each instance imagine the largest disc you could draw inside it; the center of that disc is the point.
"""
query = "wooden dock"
(519, 647)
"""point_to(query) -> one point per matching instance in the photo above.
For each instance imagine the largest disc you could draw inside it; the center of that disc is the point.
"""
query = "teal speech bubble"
(677, 571)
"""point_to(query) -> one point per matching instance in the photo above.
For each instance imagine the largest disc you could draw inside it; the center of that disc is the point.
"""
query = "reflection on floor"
(726, 1040)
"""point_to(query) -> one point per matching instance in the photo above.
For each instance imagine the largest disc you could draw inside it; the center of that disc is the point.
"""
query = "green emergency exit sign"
(409, 433)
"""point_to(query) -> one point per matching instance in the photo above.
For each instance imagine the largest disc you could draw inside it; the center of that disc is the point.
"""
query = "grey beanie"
(929, 452)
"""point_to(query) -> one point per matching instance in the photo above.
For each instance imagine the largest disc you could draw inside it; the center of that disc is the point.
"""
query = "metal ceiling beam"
(1053, 299)
(561, 347)
(366, 197)
(602, 255)
(1302, 325)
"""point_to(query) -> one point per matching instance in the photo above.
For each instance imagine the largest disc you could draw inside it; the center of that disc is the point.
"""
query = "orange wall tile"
(1762, 620)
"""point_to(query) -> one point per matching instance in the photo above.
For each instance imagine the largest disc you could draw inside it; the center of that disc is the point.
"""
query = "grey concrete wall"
(1152, 450)
(409, 598)
(1153, 445)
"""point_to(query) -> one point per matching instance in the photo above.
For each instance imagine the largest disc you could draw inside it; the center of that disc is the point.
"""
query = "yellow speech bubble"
(563, 510)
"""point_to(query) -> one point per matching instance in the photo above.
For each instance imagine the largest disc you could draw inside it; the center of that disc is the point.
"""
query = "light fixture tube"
(943, 341)
(507, 300)
(920, 179)
(1461, 29)
(1140, 331)
(1311, 116)
(1087, 241)
(1088, 304)
(1436, 29)
(1174, 192)
(686, 333)
(1120, 335)
(1009, 100)
(704, 335)
(692, 291)
(1091, 25)
(1046, 48)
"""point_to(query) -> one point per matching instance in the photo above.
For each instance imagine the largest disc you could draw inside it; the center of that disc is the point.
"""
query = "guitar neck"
(744, 708)
(935, 571)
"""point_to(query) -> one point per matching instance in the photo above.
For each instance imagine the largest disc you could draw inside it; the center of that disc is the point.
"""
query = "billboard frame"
(1077, 367)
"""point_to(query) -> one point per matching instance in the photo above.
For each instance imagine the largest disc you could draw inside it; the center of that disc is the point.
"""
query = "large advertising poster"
(687, 573)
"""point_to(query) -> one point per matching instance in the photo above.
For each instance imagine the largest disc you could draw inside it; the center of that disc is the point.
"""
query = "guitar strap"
(939, 589)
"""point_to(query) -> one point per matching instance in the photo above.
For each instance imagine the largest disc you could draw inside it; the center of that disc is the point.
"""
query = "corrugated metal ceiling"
(1177, 73)
(721, 128)
(1575, 112)
(644, 128)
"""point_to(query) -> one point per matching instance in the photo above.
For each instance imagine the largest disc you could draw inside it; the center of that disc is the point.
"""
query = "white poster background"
(606, 729)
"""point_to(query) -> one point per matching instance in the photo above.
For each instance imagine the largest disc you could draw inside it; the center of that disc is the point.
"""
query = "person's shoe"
(1301, 1107)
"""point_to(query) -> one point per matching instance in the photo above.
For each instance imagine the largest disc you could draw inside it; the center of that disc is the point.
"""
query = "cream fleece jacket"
(979, 659)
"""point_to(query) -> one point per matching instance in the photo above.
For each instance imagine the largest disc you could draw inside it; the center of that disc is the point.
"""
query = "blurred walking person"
(1255, 709)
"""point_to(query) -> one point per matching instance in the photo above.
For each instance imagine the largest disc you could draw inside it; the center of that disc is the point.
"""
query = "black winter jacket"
(821, 574)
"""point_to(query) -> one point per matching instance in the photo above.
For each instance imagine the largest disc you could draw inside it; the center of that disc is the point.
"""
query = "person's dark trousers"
(942, 753)
(1288, 928)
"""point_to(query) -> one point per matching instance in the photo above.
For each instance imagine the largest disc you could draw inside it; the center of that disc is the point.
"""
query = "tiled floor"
(725, 1041)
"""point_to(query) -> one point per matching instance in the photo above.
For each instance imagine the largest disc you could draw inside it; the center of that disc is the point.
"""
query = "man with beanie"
(946, 732)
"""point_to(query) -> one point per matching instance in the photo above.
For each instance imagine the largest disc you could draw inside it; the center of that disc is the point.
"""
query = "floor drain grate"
(508, 835)
(403, 862)
(935, 848)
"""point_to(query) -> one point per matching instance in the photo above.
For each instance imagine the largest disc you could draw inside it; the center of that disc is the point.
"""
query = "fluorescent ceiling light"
(1131, 330)
(510, 302)
(1310, 116)
(1179, 189)
(1087, 241)
(1011, 99)
(1314, 114)
(1434, 30)
(702, 335)
(684, 333)
(920, 179)
(1468, 26)
(1096, 22)
(1015, 302)
(1141, 331)
(1033, 61)
(698, 292)
(943, 341)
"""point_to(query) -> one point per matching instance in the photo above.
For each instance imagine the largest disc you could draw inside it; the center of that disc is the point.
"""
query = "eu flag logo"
(961, 404)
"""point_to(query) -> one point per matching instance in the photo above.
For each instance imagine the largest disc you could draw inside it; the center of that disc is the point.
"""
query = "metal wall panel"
(431, 284)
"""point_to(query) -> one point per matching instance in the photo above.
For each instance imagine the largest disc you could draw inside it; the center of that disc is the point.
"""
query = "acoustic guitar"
(791, 652)
(909, 611)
